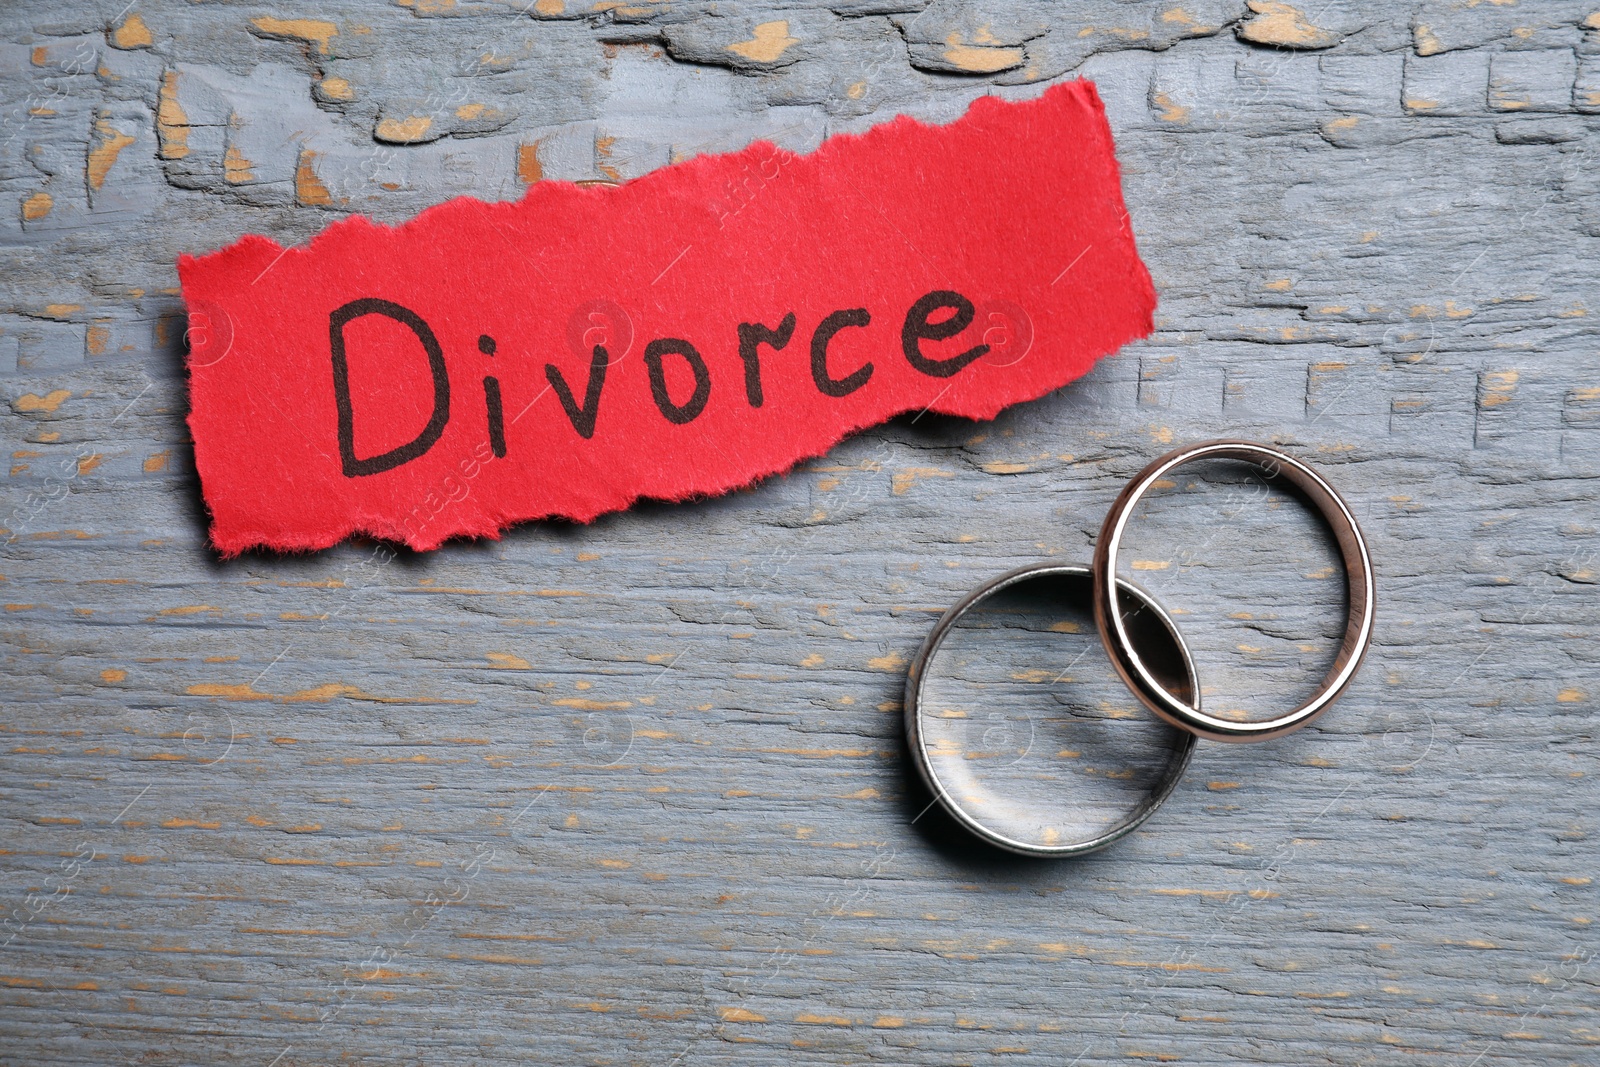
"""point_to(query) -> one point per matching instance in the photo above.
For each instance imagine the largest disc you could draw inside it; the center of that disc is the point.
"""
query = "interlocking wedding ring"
(1155, 625)
(1358, 575)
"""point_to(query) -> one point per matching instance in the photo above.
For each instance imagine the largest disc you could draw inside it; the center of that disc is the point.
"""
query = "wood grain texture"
(634, 792)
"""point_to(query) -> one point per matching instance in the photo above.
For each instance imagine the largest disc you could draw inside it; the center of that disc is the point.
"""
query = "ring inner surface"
(1252, 573)
(1027, 727)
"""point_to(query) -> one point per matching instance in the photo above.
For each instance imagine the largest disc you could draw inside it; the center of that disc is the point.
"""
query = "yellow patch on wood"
(894, 661)
(111, 675)
(1349, 122)
(550, 8)
(158, 461)
(769, 40)
(1423, 39)
(312, 31)
(1151, 564)
(1506, 100)
(602, 150)
(529, 169)
(740, 1015)
(97, 340)
(308, 188)
(133, 33)
(999, 467)
(505, 661)
(235, 168)
(320, 694)
(172, 125)
(1498, 387)
(592, 705)
(37, 206)
(61, 311)
(902, 480)
(33, 402)
(336, 89)
(1280, 24)
(813, 660)
(110, 141)
(980, 59)
(1169, 111)
(821, 1020)
(1571, 696)
(408, 130)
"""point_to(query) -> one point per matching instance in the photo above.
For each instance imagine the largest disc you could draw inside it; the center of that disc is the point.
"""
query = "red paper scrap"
(682, 334)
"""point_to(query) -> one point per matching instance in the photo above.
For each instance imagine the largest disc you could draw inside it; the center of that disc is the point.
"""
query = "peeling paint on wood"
(634, 792)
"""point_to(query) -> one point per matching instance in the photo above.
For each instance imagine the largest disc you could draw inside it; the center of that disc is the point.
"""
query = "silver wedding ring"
(963, 808)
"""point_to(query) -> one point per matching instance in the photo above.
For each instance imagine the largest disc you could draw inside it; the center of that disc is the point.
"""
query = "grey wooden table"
(635, 792)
